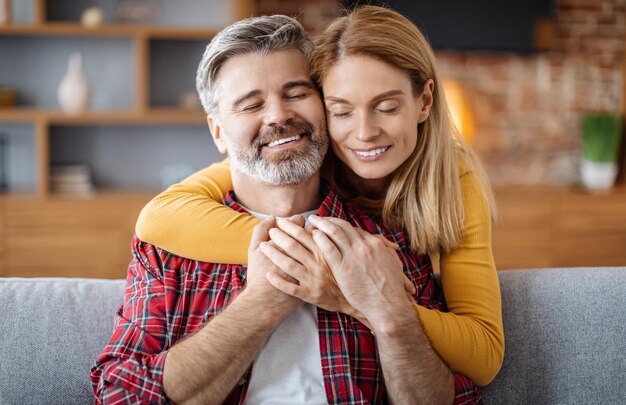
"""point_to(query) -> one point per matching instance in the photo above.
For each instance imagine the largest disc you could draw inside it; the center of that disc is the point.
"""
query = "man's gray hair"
(258, 34)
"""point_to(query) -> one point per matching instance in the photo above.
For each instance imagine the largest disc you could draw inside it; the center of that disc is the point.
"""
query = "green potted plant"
(600, 138)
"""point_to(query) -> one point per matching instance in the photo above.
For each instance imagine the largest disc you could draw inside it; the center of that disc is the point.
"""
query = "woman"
(395, 153)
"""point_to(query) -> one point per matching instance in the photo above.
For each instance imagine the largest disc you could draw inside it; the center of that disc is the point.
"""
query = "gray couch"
(565, 337)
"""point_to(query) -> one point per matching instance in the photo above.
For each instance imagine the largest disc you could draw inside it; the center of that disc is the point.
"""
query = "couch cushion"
(52, 331)
(565, 332)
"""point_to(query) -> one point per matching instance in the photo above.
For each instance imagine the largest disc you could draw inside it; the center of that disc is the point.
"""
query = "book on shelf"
(71, 179)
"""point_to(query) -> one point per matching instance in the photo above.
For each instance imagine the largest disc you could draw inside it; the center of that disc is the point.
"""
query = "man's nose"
(366, 129)
(278, 112)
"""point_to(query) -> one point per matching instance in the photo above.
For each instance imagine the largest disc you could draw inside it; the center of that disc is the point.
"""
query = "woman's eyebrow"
(380, 96)
(388, 94)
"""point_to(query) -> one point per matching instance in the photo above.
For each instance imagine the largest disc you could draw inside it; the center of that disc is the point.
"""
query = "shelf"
(147, 117)
(98, 194)
(108, 30)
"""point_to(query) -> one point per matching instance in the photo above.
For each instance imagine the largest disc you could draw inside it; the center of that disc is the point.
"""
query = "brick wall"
(526, 108)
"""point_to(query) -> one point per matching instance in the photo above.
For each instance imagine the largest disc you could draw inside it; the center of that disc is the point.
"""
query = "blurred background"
(98, 113)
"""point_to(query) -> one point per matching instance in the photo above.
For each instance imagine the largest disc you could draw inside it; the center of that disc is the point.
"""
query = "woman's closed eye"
(388, 106)
(337, 111)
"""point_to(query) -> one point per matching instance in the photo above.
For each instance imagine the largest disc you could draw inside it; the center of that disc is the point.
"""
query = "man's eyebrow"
(244, 97)
(298, 83)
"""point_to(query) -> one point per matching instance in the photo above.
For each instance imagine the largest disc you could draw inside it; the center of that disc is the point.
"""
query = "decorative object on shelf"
(189, 100)
(175, 173)
(72, 179)
(4, 163)
(7, 97)
(74, 93)
(138, 11)
(92, 17)
(5, 11)
(600, 138)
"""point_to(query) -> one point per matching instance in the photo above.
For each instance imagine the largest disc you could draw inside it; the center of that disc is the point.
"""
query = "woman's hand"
(293, 250)
(366, 269)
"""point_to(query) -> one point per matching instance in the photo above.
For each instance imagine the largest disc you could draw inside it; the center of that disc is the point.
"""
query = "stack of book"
(71, 179)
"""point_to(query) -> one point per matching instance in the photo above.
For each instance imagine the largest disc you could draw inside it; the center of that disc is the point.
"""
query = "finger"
(298, 233)
(261, 232)
(292, 247)
(409, 286)
(341, 235)
(284, 262)
(329, 250)
(297, 219)
(386, 241)
(283, 285)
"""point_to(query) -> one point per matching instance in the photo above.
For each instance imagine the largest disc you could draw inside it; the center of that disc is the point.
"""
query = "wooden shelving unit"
(47, 234)
(141, 113)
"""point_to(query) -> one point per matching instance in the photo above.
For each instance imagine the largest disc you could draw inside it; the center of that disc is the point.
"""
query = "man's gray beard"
(291, 170)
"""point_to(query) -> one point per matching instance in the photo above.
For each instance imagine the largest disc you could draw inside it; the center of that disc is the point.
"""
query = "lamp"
(459, 110)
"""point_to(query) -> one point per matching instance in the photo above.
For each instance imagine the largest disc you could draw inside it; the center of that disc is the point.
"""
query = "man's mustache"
(276, 132)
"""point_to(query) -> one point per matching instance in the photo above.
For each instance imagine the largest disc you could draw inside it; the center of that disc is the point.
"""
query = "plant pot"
(598, 176)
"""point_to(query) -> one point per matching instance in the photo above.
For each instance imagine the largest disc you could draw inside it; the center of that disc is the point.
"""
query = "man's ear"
(426, 99)
(216, 133)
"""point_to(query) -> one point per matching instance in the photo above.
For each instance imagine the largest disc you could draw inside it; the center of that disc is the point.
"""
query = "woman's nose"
(366, 129)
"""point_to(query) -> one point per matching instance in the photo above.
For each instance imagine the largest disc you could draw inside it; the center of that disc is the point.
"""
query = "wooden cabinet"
(559, 227)
(538, 227)
(63, 237)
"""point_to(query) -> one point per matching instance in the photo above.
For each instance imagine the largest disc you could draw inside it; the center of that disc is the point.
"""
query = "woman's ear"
(426, 100)
(216, 133)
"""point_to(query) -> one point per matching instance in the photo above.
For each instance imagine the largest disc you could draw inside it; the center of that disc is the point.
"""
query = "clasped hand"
(337, 267)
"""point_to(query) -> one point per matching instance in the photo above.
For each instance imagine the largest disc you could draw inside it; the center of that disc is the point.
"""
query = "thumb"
(260, 233)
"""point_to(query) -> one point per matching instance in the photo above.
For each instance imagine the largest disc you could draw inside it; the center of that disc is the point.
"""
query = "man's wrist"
(391, 321)
(266, 305)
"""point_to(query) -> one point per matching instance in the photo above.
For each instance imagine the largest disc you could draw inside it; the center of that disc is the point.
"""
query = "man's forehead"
(258, 74)
(276, 67)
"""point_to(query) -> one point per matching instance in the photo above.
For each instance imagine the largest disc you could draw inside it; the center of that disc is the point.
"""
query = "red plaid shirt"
(168, 297)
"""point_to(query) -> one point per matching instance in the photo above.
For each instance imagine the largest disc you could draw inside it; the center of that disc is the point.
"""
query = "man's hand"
(258, 287)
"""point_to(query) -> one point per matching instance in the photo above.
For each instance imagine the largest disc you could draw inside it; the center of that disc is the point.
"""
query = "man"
(189, 331)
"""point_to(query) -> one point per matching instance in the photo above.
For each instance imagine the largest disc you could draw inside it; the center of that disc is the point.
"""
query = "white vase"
(74, 93)
(598, 176)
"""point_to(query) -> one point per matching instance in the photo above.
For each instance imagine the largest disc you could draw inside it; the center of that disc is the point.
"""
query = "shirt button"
(242, 381)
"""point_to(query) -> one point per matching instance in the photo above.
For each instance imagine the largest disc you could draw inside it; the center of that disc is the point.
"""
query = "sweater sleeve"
(470, 337)
(189, 219)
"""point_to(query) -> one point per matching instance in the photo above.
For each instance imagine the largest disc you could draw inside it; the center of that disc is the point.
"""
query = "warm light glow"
(461, 114)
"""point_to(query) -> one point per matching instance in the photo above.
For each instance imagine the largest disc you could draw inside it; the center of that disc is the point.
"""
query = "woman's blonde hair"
(425, 195)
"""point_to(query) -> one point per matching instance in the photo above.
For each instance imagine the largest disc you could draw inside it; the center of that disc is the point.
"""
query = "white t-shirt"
(289, 368)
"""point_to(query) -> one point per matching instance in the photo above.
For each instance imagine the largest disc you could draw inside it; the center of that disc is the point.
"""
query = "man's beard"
(281, 167)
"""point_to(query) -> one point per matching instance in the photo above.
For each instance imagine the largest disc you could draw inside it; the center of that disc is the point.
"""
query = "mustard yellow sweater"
(189, 220)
